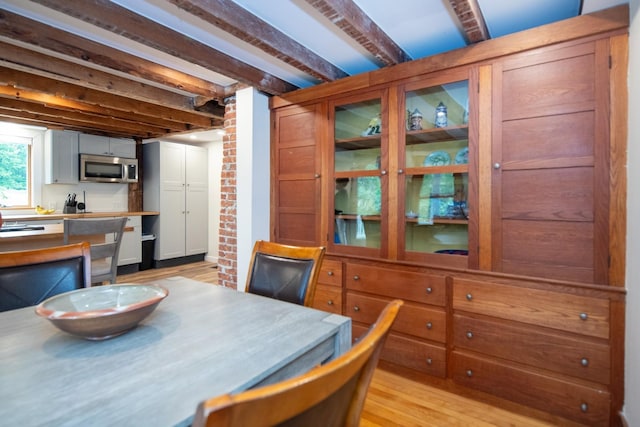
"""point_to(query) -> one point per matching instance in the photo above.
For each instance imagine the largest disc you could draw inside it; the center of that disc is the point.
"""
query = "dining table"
(201, 341)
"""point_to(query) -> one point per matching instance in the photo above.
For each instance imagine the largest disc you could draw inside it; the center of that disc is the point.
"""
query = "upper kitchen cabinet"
(61, 157)
(549, 171)
(104, 146)
(296, 159)
(506, 157)
(359, 167)
(176, 185)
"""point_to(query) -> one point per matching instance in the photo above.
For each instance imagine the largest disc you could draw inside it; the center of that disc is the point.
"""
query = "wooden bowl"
(102, 312)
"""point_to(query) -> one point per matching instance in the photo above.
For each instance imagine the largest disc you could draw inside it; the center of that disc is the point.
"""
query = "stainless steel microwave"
(108, 169)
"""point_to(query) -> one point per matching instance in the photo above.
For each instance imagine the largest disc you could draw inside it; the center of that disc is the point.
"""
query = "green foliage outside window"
(14, 174)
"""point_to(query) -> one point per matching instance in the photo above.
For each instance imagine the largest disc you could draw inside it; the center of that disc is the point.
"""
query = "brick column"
(227, 251)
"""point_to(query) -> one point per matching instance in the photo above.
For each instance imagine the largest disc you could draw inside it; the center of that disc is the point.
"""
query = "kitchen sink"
(21, 227)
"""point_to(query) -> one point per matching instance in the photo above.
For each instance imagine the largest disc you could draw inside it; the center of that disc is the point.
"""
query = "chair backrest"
(329, 395)
(29, 277)
(284, 272)
(104, 255)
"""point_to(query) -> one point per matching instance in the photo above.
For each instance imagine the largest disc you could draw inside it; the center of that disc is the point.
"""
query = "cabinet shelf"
(441, 220)
(358, 143)
(362, 217)
(451, 133)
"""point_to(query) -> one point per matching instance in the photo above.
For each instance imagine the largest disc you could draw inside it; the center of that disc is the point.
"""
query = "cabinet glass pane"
(436, 162)
(357, 136)
(358, 192)
(436, 213)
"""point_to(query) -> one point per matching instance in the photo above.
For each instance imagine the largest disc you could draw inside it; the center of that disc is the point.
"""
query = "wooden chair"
(104, 256)
(329, 395)
(29, 277)
(287, 273)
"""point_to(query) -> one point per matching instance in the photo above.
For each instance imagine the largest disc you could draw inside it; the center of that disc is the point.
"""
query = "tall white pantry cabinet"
(176, 185)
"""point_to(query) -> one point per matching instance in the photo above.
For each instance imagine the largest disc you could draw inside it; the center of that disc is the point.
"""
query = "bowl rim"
(50, 314)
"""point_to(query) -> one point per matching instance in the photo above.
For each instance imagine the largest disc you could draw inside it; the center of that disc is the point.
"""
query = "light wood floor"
(394, 399)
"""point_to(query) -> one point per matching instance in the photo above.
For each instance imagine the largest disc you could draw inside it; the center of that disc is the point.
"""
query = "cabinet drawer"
(328, 298)
(396, 283)
(331, 273)
(579, 358)
(567, 312)
(428, 323)
(411, 353)
(574, 401)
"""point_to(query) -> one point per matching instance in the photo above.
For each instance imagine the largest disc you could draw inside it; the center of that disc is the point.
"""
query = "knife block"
(68, 209)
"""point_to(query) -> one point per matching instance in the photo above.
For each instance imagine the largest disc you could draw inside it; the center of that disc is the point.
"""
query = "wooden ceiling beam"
(122, 21)
(75, 118)
(347, 16)
(23, 59)
(115, 103)
(31, 32)
(471, 19)
(56, 102)
(236, 20)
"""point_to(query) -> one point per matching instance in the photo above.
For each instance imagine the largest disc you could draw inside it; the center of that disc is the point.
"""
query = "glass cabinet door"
(436, 172)
(358, 135)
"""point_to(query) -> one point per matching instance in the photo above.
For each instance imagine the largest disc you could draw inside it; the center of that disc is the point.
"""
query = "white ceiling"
(420, 27)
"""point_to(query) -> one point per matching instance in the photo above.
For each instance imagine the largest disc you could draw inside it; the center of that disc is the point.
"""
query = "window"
(15, 171)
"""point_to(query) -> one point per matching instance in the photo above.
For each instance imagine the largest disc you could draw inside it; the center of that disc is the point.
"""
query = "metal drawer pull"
(330, 273)
(429, 325)
(429, 290)
(469, 373)
(356, 308)
(429, 361)
(469, 297)
(584, 316)
(356, 277)
(584, 407)
(469, 334)
(584, 361)
(330, 302)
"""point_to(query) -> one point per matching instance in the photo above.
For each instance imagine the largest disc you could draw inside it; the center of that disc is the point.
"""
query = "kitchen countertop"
(52, 234)
(35, 217)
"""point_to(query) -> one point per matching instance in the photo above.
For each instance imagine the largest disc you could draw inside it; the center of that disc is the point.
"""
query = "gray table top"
(201, 341)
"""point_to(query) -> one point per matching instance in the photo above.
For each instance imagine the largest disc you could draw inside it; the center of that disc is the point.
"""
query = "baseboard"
(160, 263)
(128, 269)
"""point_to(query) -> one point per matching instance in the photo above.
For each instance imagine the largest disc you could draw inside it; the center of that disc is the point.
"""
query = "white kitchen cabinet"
(131, 246)
(61, 157)
(104, 146)
(176, 185)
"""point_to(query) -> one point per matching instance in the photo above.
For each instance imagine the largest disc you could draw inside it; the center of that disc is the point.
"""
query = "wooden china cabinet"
(486, 188)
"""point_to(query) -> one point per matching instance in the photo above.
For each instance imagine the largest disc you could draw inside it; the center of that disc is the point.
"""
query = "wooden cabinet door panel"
(331, 272)
(550, 87)
(328, 298)
(567, 312)
(572, 356)
(550, 155)
(544, 256)
(575, 401)
(397, 283)
(295, 201)
(411, 353)
(428, 323)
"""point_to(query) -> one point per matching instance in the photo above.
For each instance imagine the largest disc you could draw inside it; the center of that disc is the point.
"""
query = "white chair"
(104, 256)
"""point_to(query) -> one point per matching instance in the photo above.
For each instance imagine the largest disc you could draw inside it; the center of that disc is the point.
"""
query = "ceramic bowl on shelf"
(102, 312)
